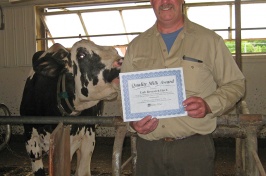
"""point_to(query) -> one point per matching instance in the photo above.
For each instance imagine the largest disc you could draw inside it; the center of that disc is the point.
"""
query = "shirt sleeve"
(230, 81)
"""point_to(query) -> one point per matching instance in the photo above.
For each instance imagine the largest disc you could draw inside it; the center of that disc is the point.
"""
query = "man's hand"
(116, 81)
(196, 107)
(145, 125)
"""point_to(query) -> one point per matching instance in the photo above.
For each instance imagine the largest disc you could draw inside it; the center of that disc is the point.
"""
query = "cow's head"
(94, 69)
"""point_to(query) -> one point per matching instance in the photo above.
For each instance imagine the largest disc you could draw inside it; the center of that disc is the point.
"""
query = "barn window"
(113, 25)
(117, 24)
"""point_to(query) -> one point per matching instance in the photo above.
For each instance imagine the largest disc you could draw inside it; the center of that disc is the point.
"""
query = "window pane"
(110, 40)
(134, 21)
(64, 26)
(218, 20)
(253, 15)
(108, 22)
(231, 45)
(249, 34)
(254, 46)
(225, 34)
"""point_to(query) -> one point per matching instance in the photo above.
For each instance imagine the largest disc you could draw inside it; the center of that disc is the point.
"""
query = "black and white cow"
(89, 71)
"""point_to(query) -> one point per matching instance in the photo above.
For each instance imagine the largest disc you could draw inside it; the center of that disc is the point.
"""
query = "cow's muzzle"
(118, 63)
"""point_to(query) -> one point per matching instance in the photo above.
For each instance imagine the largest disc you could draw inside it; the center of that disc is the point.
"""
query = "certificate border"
(125, 77)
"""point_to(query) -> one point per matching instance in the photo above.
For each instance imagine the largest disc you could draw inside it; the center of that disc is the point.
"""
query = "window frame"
(44, 34)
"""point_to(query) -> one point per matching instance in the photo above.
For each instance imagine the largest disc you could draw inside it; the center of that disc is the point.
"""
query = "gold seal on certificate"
(158, 93)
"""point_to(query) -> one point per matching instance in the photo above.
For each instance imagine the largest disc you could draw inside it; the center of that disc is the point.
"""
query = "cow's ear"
(49, 65)
(36, 56)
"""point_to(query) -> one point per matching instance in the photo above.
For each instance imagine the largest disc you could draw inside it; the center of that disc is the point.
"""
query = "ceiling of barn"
(54, 2)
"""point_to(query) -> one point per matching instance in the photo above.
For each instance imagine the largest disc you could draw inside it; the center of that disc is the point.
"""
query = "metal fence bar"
(117, 150)
(231, 120)
(244, 126)
(101, 120)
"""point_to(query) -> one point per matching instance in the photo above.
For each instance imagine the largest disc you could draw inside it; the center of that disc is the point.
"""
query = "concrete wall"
(254, 69)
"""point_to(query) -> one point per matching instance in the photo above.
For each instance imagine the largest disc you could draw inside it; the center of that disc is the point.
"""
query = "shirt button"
(163, 126)
(164, 50)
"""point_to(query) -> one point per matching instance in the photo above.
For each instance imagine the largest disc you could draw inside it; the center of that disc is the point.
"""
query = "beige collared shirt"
(215, 77)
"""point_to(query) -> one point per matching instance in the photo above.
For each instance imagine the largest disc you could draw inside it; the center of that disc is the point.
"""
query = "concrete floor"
(14, 160)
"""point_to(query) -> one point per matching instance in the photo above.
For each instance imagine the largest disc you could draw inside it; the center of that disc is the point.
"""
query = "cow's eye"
(82, 55)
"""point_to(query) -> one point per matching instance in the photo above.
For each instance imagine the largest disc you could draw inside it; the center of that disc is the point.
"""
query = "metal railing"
(4, 138)
(244, 127)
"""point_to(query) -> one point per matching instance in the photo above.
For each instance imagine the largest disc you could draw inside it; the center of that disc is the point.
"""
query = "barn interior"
(27, 26)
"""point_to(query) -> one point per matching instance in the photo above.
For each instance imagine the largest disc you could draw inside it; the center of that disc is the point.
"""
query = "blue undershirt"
(169, 39)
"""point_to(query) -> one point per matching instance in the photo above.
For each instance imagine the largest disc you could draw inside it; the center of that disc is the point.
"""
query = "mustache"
(166, 6)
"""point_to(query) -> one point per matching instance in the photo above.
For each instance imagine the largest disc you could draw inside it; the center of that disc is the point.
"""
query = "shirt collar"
(188, 28)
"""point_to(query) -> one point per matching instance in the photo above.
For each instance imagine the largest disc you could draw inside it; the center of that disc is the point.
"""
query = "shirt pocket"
(195, 74)
(143, 63)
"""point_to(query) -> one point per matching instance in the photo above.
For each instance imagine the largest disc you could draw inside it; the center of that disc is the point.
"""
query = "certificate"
(158, 93)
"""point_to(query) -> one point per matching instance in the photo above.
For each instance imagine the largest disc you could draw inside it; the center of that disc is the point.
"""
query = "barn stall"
(22, 35)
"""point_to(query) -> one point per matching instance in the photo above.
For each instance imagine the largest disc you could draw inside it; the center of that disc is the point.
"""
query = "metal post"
(240, 155)
(240, 144)
(251, 145)
(117, 150)
(133, 153)
(253, 125)
(238, 58)
(238, 33)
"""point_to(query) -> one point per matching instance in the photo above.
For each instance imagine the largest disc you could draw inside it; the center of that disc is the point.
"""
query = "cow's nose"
(120, 61)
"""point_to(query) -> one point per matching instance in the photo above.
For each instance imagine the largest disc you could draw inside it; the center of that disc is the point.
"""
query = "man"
(183, 146)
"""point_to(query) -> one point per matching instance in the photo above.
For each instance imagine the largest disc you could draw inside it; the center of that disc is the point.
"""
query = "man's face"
(167, 10)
